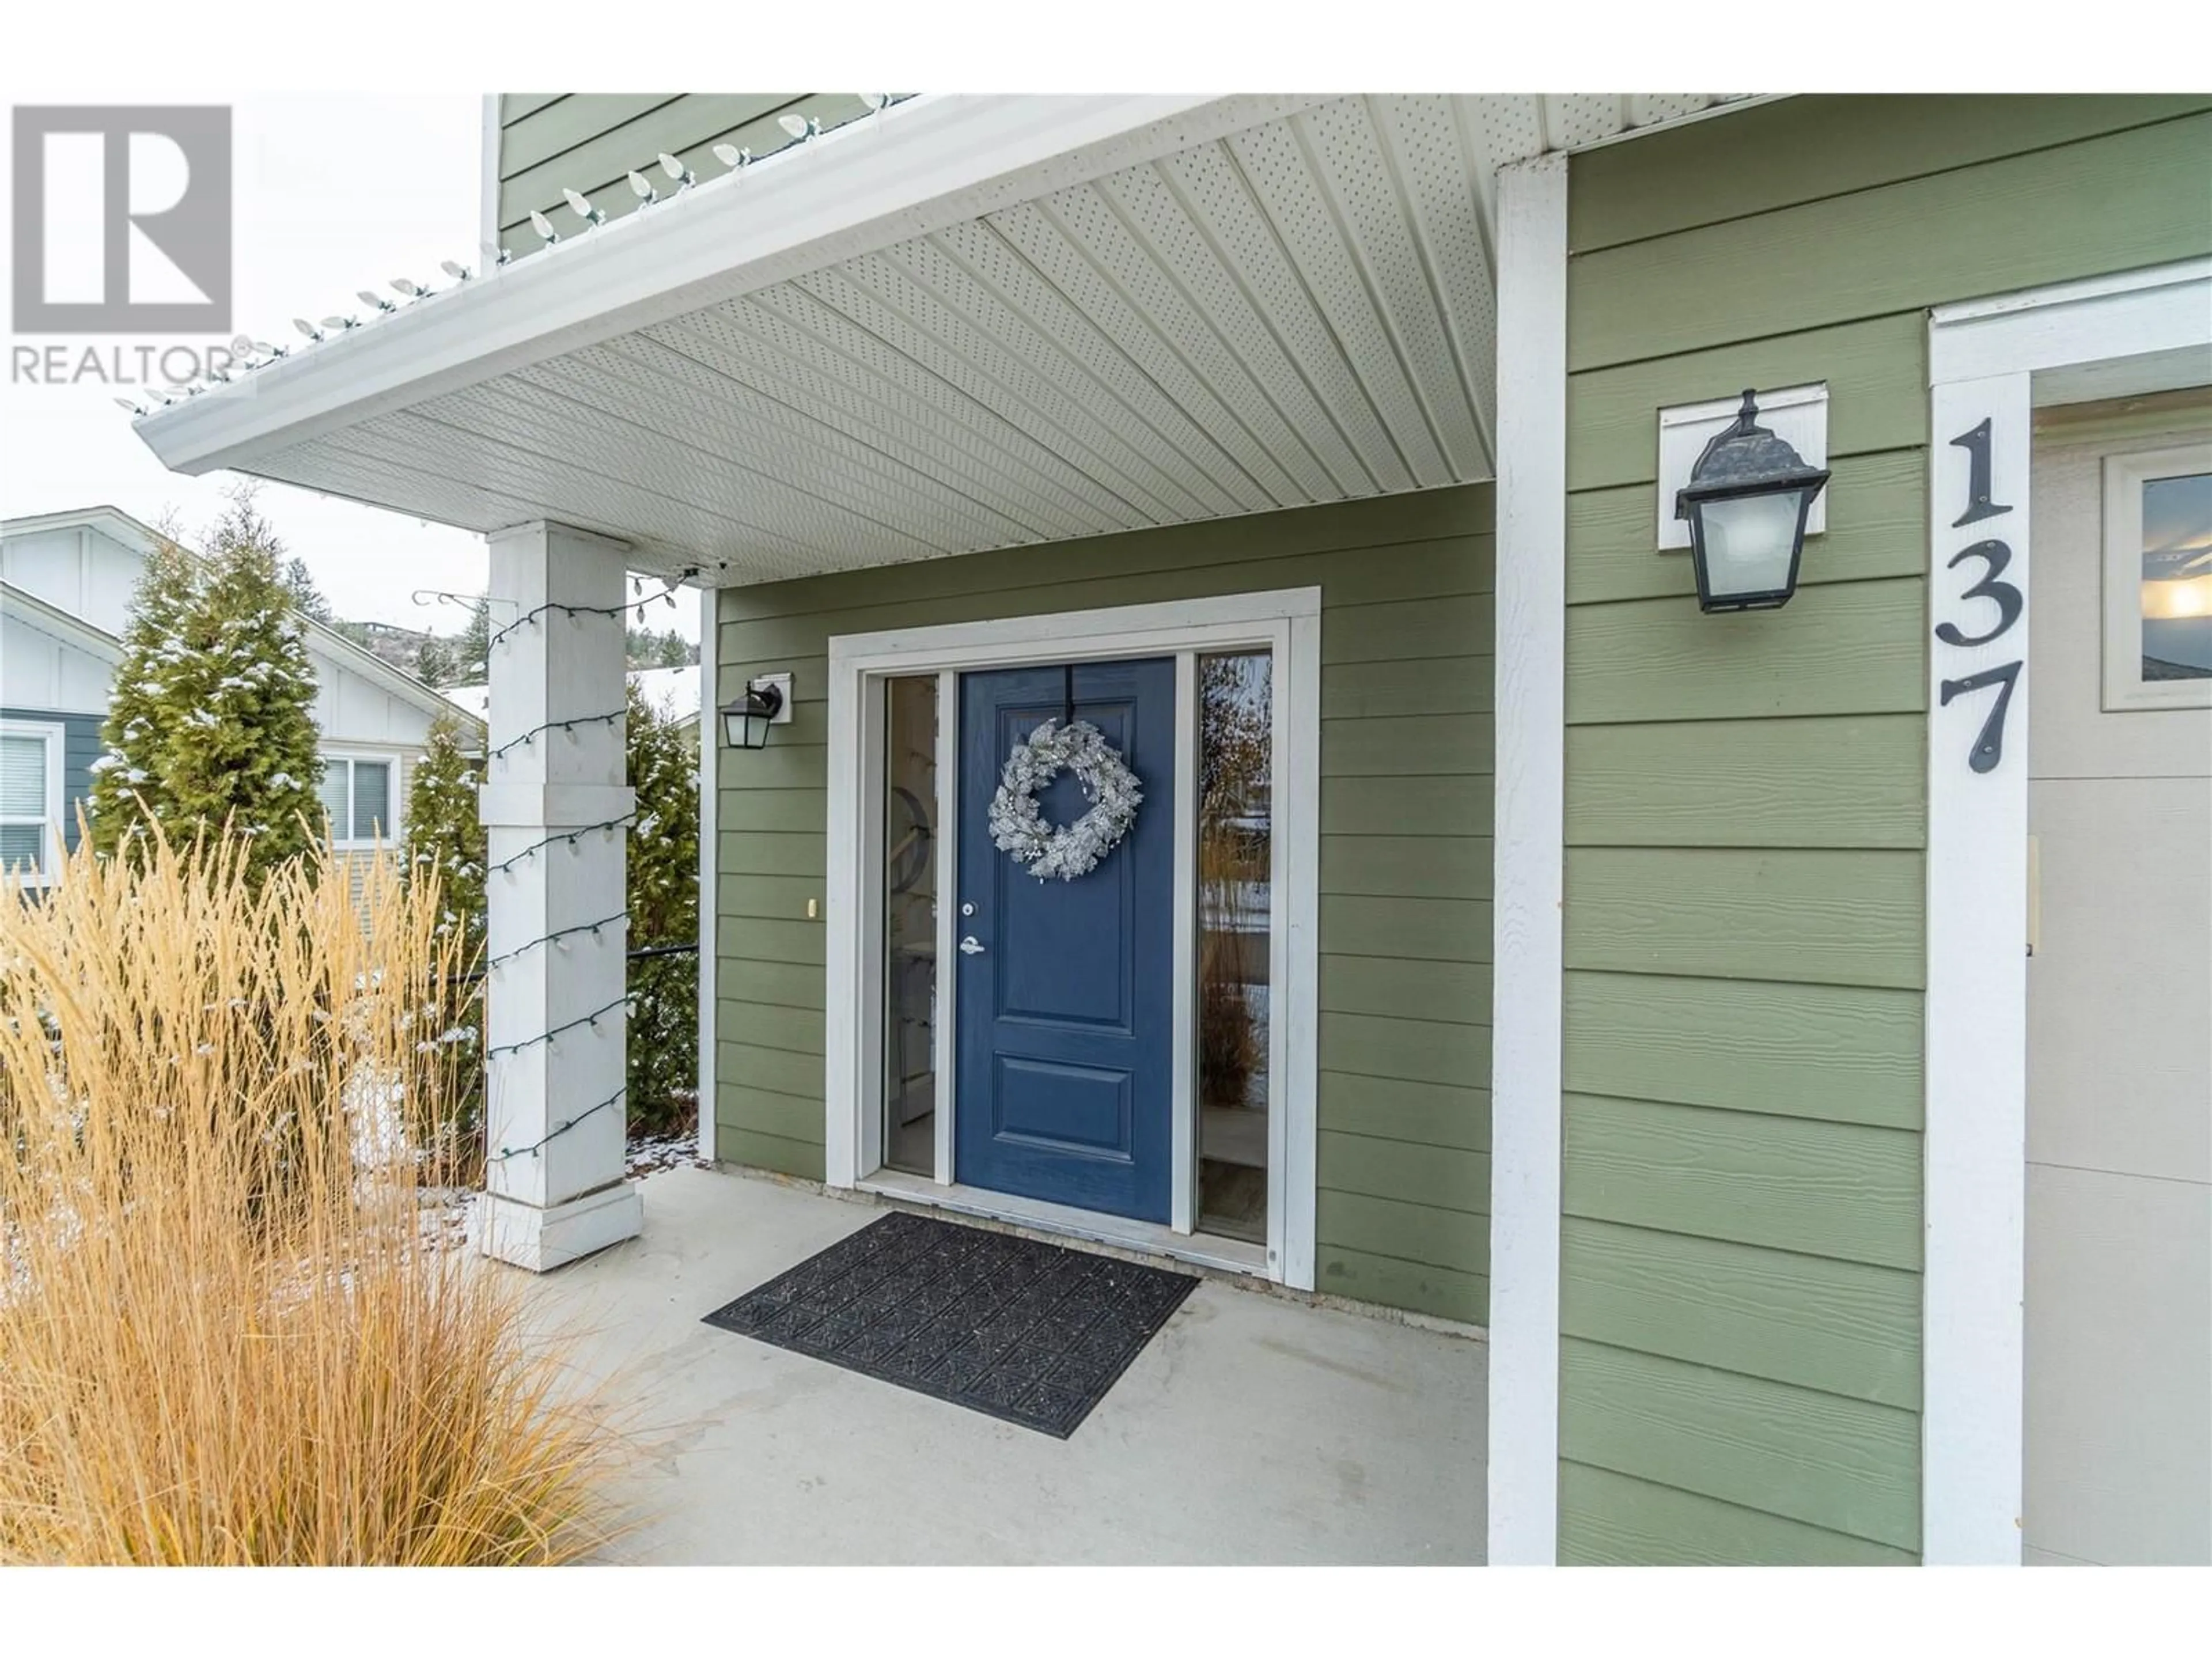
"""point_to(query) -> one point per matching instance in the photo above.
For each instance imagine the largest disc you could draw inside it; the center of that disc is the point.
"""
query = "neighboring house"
(66, 580)
(1646, 987)
(673, 691)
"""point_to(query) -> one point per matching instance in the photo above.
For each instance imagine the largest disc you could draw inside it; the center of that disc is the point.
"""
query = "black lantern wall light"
(766, 703)
(1746, 502)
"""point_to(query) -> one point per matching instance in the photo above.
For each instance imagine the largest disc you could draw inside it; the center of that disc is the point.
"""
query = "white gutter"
(915, 167)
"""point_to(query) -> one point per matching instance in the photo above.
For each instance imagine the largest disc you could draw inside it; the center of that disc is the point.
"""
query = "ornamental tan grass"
(229, 1332)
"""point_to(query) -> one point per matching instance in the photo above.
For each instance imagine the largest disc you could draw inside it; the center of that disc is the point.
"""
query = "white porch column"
(554, 1052)
(1525, 1053)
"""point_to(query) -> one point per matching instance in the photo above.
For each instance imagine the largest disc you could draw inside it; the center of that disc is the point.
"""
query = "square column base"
(544, 1239)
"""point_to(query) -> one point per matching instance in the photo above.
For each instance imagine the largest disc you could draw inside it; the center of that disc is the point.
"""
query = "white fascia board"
(917, 167)
(26, 607)
(112, 521)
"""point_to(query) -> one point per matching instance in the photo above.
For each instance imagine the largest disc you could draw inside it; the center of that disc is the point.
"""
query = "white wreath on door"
(1017, 826)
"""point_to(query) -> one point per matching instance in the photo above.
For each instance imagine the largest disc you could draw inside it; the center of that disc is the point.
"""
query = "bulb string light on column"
(574, 612)
(570, 837)
(536, 732)
(536, 1146)
(591, 1019)
(620, 919)
(616, 1008)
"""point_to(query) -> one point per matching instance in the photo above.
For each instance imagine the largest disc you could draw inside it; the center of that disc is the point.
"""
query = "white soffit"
(1282, 301)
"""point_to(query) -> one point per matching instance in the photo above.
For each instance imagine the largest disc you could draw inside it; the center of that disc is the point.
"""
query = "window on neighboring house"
(30, 801)
(358, 796)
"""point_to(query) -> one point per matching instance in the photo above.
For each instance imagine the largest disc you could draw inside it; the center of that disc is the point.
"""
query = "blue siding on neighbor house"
(80, 746)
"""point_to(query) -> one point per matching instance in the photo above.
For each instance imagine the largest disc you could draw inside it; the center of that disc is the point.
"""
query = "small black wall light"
(1747, 502)
(766, 703)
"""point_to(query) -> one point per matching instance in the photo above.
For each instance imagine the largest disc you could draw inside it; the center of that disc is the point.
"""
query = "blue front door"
(1066, 998)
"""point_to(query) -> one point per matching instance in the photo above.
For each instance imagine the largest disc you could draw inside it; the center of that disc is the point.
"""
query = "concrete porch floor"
(1253, 1429)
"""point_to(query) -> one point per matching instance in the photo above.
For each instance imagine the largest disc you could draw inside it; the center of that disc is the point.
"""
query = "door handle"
(968, 947)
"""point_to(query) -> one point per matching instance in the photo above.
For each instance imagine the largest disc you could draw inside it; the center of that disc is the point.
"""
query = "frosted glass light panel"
(1236, 900)
(909, 892)
(2177, 578)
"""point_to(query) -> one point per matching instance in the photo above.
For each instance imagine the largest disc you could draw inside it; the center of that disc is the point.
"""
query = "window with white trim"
(30, 801)
(2158, 578)
(360, 797)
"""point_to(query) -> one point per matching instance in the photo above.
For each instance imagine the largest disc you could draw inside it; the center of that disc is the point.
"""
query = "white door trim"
(1287, 623)
(710, 860)
(1531, 701)
(1995, 360)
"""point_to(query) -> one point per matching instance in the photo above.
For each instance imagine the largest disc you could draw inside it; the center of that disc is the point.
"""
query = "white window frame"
(2125, 475)
(1286, 623)
(53, 842)
(395, 830)
(1996, 360)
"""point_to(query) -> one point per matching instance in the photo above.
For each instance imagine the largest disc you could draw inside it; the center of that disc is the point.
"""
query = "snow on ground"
(650, 1152)
(449, 1213)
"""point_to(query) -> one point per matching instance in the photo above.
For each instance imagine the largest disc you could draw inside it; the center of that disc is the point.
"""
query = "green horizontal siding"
(1821, 781)
(1423, 806)
(1405, 990)
(1414, 930)
(1745, 808)
(1812, 147)
(1405, 866)
(1396, 1282)
(780, 1154)
(1462, 539)
(770, 1025)
(1406, 1230)
(1845, 1466)
(1848, 649)
(1842, 1327)
(1408, 685)
(1844, 1053)
(1453, 1114)
(1609, 1519)
(1391, 746)
(1406, 816)
(1842, 1190)
(1898, 247)
(1830, 918)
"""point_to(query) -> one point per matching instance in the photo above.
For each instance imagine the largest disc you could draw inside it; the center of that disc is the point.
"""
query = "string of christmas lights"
(250, 354)
(591, 1019)
(553, 608)
(537, 847)
(537, 732)
(619, 920)
(536, 1146)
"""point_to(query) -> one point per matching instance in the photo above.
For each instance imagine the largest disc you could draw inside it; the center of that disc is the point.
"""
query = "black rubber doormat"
(1029, 1333)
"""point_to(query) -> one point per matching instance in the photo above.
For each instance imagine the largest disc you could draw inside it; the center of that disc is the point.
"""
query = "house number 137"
(1990, 587)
